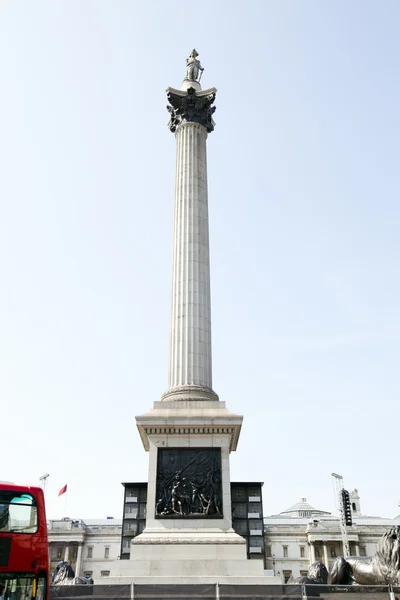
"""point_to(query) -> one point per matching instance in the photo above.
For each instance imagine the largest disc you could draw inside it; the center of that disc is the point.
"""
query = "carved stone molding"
(191, 108)
(190, 392)
(146, 540)
(176, 430)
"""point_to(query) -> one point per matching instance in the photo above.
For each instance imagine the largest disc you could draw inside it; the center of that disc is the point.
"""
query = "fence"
(222, 592)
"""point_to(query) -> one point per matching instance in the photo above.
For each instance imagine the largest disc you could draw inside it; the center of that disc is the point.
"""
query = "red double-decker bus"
(24, 557)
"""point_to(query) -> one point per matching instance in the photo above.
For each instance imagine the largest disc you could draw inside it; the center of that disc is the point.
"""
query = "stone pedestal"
(199, 544)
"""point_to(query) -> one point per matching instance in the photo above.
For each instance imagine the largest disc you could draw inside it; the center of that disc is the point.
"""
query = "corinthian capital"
(191, 107)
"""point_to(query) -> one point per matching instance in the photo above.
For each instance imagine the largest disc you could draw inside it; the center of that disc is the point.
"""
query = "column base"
(190, 392)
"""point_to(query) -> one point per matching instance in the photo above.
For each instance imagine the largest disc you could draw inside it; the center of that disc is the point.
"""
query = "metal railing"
(215, 591)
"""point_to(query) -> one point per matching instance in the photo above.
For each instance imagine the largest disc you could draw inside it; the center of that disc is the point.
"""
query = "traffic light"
(347, 507)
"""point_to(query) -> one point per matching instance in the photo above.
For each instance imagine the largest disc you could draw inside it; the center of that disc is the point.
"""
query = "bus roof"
(20, 488)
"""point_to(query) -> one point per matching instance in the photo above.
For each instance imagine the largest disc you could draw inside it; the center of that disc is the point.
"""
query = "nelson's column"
(189, 434)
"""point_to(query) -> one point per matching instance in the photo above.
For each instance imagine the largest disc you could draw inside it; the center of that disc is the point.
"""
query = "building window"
(287, 575)
(285, 551)
(131, 495)
(126, 544)
(363, 551)
(59, 552)
(305, 513)
(90, 552)
(88, 573)
(303, 573)
(74, 552)
(333, 553)
(268, 551)
(106, 552)
(353, 506)
(130, 527)
(131, 511)
(317, 552)
(104, 573)
(302, 552)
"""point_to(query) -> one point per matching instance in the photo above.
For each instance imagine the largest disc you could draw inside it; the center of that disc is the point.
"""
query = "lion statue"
(381, 569)
(64, 574)
(316, 574)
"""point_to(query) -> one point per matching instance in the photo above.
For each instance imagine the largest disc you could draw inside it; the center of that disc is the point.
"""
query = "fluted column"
(190, 365)
(78, 560)
(190, 342)
(326, 558)
(312, 553)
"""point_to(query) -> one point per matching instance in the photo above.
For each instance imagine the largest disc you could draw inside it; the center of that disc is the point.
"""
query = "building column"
(357, 549)
(66, 553)
(78, 560)
(343, 549)
(190, 375)
(312, 553)
(326, 560)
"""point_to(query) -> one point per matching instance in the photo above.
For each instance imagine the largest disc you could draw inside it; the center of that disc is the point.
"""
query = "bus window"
(18, 586)
(18, 513)
(41, 589)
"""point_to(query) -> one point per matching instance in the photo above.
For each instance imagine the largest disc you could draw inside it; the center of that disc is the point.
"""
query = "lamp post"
(273, 563)
(43, 483)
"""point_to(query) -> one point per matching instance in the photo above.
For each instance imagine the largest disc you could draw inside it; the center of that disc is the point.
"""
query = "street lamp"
(43, 483)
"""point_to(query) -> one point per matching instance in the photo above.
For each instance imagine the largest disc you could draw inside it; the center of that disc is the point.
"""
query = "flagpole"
(60, 493)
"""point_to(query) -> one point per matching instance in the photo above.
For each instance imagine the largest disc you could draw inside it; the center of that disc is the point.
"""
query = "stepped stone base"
(195, 580)
(190, 554)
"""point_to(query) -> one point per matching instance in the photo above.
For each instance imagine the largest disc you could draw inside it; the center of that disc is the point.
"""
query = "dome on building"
(303, 509)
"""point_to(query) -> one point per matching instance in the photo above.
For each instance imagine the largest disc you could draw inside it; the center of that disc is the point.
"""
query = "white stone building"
(294, 539)
(302, 534)
(91, 546)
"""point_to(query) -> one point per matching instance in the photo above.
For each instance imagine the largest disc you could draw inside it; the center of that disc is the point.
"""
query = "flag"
(63, 490)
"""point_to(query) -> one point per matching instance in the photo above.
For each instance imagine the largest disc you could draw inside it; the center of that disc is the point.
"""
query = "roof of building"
(328, 519)
(102, 522)
(134, 483)
(144, 484)
(303, 509)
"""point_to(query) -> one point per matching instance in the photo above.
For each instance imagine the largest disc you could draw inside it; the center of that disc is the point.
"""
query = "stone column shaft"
(190, 343)
(326, 558)
(78, 561)
(312, 553)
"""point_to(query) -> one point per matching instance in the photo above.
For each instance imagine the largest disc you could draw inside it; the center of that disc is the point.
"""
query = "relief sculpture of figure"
(192, 490)
(193, 66)
(176, 502)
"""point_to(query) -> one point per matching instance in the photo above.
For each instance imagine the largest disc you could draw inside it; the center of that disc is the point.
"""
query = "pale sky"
(304, 189)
